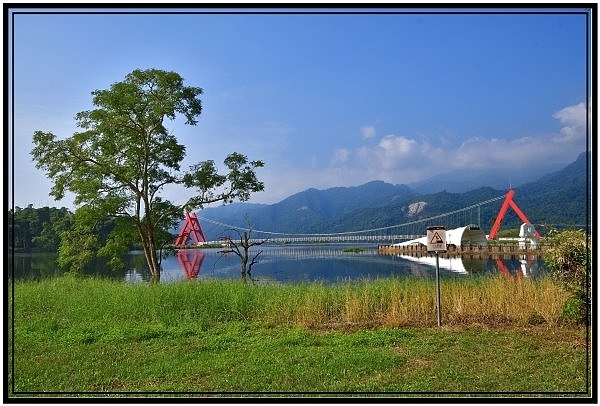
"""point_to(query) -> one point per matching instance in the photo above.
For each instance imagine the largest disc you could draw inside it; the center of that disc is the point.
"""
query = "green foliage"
(124, 156)
(32, 229)
(80, 243)
(508, 233)
(77, 250)
(213, 187)
(572, 310)
(118, 241)
(570, 262)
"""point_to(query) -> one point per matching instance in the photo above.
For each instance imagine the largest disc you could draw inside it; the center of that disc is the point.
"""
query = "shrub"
(569, 261)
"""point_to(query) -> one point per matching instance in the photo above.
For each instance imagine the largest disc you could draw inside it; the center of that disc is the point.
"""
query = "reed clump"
(402, 302)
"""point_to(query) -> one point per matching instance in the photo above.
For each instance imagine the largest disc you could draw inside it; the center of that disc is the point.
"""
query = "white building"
(462, 236)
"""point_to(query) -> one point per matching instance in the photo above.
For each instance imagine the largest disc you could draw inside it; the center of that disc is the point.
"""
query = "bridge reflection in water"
(528, 265)
(191, 262)
(368, 258)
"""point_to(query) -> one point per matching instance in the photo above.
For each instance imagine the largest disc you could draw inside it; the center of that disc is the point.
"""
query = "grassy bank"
(91, 335)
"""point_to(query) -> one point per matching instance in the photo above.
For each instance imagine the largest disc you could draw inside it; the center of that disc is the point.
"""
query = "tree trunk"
(244, 261)
(154, 266)
(244, 254)
(149, 246)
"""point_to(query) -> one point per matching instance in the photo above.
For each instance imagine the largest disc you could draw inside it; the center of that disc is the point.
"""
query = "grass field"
(92, 337)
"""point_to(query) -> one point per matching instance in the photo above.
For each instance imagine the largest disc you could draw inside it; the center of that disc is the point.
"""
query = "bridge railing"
(340, 238)
(318, 239)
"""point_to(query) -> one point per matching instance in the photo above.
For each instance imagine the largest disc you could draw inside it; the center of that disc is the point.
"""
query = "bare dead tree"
(241, 248)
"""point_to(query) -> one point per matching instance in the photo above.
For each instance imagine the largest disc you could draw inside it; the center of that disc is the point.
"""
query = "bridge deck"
(331, 238)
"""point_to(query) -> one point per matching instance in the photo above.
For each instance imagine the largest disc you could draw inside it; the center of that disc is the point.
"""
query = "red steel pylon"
(508, 201)
(190, 227)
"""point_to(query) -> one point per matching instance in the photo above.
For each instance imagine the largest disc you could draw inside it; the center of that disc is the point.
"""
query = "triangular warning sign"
(436, 239)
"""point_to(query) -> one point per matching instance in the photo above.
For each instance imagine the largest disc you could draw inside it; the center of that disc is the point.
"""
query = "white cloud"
(368, 132)
(402, 159)
(573, 120)
(340, 156)
(391, 152)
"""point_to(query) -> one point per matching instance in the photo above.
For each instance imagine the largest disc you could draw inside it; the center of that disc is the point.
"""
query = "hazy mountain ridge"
(557, 197)
(305, 212)
(464, 180)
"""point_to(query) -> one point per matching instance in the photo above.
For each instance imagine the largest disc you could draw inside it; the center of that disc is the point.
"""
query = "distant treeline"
(37, 229)
(33, 229)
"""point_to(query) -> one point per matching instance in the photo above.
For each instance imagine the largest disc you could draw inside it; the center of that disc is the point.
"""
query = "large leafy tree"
(123, 157)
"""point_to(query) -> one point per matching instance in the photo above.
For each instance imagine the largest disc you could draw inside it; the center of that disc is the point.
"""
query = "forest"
(33, 229)
(37, 229)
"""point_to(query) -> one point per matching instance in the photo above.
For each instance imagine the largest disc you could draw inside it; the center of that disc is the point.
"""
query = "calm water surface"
(327, 263)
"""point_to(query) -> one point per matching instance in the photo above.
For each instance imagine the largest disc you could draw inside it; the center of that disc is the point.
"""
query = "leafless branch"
(253, 261)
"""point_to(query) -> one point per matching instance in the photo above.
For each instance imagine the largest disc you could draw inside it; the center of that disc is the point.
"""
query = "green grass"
(90, 336)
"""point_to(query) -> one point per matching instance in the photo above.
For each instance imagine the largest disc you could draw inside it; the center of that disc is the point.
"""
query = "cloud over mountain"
(401, 158)
(573, 119)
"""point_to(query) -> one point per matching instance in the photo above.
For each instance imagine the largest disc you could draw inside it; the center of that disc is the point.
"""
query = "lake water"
(327, 263)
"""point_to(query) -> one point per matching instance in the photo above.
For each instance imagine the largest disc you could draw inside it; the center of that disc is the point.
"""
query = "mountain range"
(556, 198)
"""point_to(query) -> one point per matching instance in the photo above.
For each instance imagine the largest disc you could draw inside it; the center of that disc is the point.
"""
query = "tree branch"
(104, 168)
(253, 261)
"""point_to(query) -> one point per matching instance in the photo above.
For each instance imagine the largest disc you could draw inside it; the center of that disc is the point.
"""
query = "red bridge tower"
(508, 201)
(190, 227)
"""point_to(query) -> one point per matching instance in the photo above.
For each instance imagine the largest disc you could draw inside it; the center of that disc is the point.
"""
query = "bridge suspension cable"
(365, 231)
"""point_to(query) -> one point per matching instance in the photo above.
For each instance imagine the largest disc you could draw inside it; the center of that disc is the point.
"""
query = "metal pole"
(437, 286)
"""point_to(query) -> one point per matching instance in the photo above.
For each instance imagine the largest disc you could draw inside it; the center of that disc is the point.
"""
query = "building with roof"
(459, 237)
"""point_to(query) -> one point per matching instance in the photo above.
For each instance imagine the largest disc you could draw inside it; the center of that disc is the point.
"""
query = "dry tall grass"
(397, 303)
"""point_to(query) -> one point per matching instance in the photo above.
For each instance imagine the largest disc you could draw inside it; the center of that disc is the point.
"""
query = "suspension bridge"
(469, 215)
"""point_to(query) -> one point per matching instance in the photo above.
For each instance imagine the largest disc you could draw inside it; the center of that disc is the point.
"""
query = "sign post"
(436, 242)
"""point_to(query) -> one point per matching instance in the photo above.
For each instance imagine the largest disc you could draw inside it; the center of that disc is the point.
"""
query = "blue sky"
(324, 100)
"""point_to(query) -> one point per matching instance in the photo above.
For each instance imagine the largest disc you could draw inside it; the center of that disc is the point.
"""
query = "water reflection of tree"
(137, 264)
(38, 266)
(33, 266)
